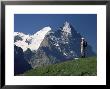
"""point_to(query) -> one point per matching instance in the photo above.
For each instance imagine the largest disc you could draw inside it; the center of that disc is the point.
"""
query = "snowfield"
(31, 41)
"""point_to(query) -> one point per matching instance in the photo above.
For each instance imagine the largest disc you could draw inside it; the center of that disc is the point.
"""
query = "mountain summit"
(49, 46)
(30, 41)
(66, 28)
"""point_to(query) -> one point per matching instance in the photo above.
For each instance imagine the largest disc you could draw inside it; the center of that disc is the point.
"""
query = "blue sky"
(85, 24)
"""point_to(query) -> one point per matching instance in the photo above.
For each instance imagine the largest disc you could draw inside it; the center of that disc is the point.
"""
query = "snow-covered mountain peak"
(38, 37)
(66, 23)
(66, 30)
(66, 27)
(43, 31)
(30, 41)
(19, 33)
(46, 28)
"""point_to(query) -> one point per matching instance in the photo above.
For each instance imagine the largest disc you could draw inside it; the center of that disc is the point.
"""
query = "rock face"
(56, 46)
(20, 64)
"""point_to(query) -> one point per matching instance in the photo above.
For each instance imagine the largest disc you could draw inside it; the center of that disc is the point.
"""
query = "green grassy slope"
(79, 67)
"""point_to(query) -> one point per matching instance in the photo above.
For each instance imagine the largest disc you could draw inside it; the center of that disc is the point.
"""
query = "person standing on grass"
(83, 47)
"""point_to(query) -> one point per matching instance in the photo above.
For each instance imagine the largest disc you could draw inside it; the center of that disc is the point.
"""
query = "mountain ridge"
(30, 41)
(55, 46)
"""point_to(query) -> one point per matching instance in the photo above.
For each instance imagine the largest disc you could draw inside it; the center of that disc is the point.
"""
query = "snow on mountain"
(20, 40)
(37, 38)
(22, 44)
(66, 29)
(30, 41)
(51, 46)
(63, 44)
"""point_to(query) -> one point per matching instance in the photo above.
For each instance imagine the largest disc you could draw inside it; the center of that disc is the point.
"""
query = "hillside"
(79, 67)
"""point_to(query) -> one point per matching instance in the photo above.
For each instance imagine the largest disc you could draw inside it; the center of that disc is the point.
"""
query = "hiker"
(83, 47)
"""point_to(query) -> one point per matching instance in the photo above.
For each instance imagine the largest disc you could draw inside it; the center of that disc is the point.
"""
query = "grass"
(79, 67)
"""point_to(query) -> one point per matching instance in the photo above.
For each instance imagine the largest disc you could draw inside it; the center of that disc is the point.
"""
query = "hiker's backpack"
(85, 44)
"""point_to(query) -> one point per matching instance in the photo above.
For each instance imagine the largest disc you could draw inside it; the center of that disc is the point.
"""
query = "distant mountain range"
(46, 47)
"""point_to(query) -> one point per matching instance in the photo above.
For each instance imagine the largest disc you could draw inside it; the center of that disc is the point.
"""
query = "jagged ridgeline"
(49, 46)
